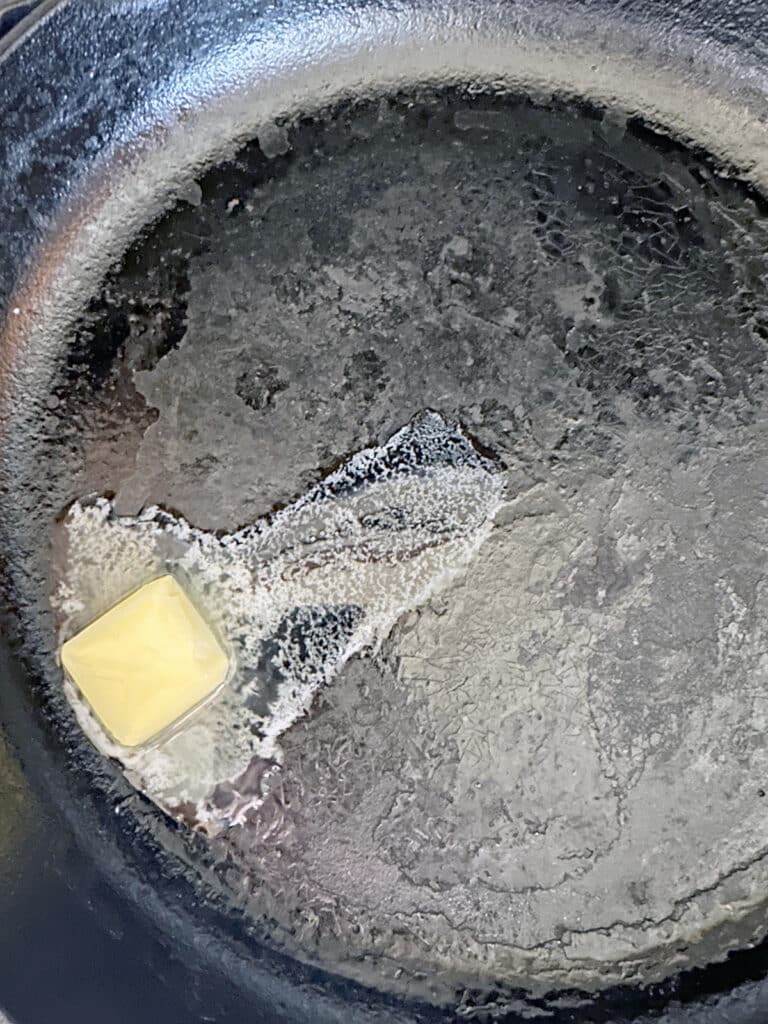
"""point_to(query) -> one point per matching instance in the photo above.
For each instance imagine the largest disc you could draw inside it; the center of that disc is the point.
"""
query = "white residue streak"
(293, 597)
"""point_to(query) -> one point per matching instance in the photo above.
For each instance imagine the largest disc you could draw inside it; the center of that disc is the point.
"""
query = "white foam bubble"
(293, 596)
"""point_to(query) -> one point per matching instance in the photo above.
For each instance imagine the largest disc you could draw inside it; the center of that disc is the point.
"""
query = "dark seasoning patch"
(588, 300)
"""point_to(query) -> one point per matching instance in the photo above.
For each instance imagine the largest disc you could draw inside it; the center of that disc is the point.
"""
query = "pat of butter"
(146, 662)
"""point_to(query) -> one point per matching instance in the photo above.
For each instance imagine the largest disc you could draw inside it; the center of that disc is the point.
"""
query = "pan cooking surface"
(557, 767)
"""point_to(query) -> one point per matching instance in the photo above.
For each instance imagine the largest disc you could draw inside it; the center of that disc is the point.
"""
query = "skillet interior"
(27, 518)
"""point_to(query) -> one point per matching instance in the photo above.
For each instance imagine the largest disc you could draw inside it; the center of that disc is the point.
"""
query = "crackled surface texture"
(559, 765)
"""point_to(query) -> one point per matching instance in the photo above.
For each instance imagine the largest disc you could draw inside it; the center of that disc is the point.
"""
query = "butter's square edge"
(129, 743)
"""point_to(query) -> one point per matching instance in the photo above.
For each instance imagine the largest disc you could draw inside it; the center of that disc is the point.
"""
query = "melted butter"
(293, 597)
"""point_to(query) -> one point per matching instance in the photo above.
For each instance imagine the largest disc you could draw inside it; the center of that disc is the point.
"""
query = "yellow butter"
(146, 662)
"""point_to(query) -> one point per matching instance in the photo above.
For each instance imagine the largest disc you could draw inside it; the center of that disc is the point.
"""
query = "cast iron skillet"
(109, 108)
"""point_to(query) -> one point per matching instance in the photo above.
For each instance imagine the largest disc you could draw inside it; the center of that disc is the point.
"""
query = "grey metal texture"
(99, 87)
(110, 111)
